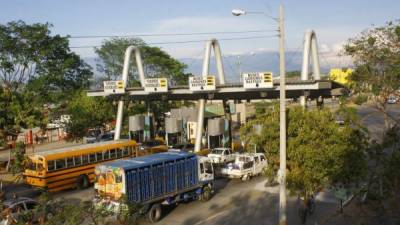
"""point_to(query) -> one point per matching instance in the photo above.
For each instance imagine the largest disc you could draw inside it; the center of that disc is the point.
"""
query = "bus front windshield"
(34, 166)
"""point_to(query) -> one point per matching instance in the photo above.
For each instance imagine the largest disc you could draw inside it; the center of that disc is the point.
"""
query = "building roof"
(137, 162)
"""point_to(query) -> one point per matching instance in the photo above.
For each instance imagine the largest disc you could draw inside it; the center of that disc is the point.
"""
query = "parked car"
(221, 155)
(109, 136)
(153, 146)
(186, 147)
(16, 208)
(245, 166)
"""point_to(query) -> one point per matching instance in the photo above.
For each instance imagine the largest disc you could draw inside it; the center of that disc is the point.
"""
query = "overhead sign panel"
(202, 83)
(257, 80)
(156, 85)
(114, 87)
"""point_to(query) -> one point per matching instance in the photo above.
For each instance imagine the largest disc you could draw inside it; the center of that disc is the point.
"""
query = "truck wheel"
(206, 195)
(82, 181)
(154, 214)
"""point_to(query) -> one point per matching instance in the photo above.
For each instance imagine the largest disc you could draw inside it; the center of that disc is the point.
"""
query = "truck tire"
(206, 195)
(82, 181)
(154, 214)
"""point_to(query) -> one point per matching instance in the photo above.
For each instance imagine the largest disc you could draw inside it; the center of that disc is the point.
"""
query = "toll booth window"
(70, 162)
(60, 164)
(119, 153)
(113, 153)
(92, 158)
(50, 165)
(99, 156)
(106, 155)
(78, 160)
(85, 159)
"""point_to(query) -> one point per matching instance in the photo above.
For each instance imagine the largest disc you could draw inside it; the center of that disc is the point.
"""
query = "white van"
(245, 166)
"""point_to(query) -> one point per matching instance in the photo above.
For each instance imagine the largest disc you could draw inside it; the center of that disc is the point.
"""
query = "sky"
(334, 21)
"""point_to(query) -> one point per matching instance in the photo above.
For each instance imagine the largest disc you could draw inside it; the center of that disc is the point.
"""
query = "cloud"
(330, 56)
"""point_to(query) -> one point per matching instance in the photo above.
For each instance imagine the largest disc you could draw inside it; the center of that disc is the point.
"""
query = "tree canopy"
(319, 151)
(157, 63)
(376, 55)
(36, 69)
(87, 112)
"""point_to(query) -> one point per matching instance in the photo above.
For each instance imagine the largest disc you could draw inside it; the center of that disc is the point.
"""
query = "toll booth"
(173, 131)
(215, 132)
(136, 128)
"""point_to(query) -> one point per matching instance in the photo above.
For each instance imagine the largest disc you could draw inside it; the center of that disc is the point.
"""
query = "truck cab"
(206, 170)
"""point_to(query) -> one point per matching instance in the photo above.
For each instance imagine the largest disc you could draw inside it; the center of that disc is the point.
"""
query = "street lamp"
(282, 117)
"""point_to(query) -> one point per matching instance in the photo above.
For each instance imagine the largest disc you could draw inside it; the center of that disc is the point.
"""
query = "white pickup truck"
(221, 155)
(245, 166)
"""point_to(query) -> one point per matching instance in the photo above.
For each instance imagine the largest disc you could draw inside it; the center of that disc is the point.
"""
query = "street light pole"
(282, 130)
(282, 117)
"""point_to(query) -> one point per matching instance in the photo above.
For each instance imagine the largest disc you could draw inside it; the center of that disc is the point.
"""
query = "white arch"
(221, 79)
(310, 43)
(139, 65)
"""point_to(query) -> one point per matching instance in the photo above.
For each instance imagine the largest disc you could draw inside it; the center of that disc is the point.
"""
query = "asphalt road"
(235, 202)
(374, 119)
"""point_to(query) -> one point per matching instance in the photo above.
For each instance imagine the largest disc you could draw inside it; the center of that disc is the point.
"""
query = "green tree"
(293, 74)
(157, 63)
(36, 68)
(319, 151)
(376, 55)
(87, 112)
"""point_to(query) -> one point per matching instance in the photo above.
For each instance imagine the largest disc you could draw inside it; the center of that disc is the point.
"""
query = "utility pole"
(282, 118)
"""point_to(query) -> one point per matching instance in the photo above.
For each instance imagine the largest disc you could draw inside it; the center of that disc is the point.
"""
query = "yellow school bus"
(71, 167)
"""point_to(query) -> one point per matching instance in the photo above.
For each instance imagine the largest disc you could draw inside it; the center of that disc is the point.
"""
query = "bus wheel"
(154, 214)
(82, 181)
(206, 195)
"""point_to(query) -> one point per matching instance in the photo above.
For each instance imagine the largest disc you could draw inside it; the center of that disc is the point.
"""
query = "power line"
(191, 41)
(168, 34)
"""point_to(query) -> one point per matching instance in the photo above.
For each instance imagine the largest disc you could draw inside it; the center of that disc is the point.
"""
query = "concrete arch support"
(139, 65)
(310, 46)
(212, 43)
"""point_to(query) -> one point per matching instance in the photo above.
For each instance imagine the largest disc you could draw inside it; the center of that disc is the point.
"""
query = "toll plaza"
(255, 85)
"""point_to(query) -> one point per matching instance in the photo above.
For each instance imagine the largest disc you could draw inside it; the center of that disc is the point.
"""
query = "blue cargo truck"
(154, 180)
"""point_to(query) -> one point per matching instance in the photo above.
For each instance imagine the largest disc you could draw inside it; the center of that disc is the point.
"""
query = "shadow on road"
(258, 208)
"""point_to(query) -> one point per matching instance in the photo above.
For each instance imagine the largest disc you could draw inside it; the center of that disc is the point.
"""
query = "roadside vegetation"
(320, 152)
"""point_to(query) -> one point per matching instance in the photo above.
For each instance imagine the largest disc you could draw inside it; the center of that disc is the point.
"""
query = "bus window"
(92, 157)
(85, 159)
(60, 164)
(113, 153)
(119, 153)
(78, 160)
(50, 165)
(106, 155)
(99, 156)
(125, 152)
(70, 162)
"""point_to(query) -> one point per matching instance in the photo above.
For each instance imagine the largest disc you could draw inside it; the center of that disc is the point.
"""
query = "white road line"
(212, 217)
